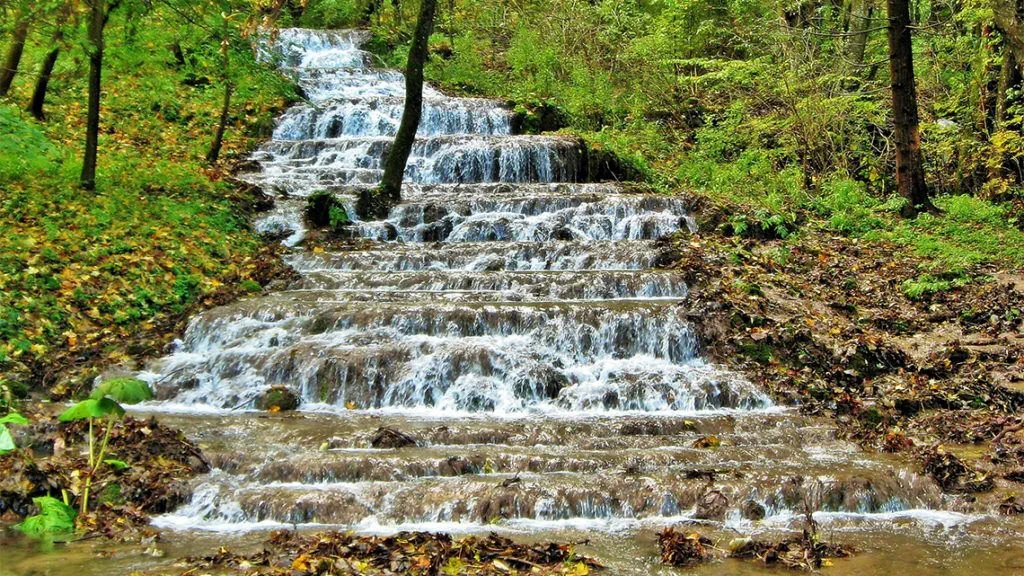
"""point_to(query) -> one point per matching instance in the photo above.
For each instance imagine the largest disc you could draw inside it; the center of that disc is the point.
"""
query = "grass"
(82, 271)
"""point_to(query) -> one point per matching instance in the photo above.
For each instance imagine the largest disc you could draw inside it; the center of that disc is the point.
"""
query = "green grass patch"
(87, 269)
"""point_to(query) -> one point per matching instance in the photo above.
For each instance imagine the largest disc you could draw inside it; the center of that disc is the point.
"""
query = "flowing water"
(510, 317)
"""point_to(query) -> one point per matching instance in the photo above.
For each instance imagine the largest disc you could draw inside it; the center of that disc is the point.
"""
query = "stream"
(510, 317)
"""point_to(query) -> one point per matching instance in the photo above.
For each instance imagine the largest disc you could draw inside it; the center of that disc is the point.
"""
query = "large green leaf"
(91, 408)
(55, 517)
(6, 440)
(14, 418)
(124, 390)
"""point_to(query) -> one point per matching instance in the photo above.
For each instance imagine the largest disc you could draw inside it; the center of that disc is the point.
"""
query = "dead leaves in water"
(406, 553)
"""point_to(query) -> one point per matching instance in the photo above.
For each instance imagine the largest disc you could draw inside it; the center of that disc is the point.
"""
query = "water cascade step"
(508, 315)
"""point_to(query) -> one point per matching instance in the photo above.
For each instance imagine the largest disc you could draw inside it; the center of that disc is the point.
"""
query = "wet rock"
(1011, 507)
(953, 475)
(390, 438)
(753, 510)
(705, 442)
(278, 399)
(610, 401)
(712, 506)
(804, 553)
(682, 549)
(457, 466)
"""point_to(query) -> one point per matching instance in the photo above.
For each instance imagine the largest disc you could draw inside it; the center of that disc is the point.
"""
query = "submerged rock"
(391, 438)
(711, 506)
(753, 510)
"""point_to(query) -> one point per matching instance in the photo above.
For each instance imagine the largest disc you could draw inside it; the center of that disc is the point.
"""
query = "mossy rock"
(278, 399)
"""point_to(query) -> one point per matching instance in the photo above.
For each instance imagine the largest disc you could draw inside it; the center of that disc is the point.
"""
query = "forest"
(709, 229)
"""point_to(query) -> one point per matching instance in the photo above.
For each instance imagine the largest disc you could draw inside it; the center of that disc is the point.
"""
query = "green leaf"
(124, 390)
(55, 517)
(6, 440)
(116, 464)
(91, 408)
(14, 418)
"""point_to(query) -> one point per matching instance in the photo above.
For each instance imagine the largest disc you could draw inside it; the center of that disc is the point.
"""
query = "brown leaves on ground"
(823, 321)
(406, 553)
(148, 471)
(685, 549)
(799, 553)
(953, 475)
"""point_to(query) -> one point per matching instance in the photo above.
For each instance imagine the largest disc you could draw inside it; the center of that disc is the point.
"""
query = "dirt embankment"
(823, 322)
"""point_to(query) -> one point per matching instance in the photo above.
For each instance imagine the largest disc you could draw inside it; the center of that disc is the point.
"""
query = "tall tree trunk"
(377, 204)
(218, 140)
(1009, 76)
(14, 52)
(860, 25)
(907, 131)
(43, 82)
(1009, 18)
(97, 21)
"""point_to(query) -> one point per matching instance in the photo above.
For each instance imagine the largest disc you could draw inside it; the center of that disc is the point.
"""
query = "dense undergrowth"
(82, 273)
(759, 107)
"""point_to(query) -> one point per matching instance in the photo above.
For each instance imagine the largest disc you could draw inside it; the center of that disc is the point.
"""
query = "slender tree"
(35, 107)
(907, 131)
(860, 27)
(218, 139)
(376, 204)
(99, 15)
(14, 51)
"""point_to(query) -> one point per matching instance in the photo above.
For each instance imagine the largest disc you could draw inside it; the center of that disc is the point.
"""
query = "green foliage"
(6, 440)
(24, 148)
(54, 518)
(86, 270)
(92, 409)
(124, 390)
(778, 126)
(925, 285)
(323, 209)
(333, 13)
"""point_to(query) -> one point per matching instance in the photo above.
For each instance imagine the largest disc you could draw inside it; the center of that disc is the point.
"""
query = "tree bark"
(910, 178)
(860, 25)
(218, 140)
(1009, 18)
(14, 52)
(1009, 76)
(97, 21)
(43, 82)
(390, 191)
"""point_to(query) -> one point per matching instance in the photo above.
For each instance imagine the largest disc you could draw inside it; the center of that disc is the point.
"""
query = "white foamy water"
(509, 316)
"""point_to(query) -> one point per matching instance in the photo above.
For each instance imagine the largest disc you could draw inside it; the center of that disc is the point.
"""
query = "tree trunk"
(1009, 76)
(43, 82)
(390, 191)
(218, 140)
(97, 21)
(1009, 18)
(860, 26)
(907, 132)
(14, 52)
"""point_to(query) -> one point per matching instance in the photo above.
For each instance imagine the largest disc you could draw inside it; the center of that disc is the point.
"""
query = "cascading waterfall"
(506, 314)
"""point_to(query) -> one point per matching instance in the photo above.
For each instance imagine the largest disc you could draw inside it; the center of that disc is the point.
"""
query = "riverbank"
(844, 327)
(99, 278)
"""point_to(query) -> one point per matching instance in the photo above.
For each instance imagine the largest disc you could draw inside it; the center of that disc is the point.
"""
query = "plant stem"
(90, 444)
(103, 446)
(95, 464)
